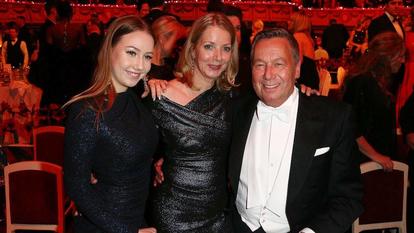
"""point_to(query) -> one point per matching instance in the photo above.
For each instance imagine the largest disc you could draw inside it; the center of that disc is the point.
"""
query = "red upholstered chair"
(34, 196)
(385, 198)
(48, 144)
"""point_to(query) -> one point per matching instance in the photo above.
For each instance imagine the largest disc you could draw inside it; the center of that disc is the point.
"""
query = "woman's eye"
(148, 57)
(131, 53)
(208, 46)
(227, 49)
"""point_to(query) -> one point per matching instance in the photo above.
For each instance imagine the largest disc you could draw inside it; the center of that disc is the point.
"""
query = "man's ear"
(297, 69)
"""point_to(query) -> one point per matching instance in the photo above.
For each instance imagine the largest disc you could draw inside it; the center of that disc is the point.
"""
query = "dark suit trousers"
(239, 226)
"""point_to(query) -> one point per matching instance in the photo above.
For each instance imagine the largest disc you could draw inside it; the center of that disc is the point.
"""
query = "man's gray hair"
(277, 33)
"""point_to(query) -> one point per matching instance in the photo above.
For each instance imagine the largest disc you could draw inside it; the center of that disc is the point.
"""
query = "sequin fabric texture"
(193, 196)
(119, 154)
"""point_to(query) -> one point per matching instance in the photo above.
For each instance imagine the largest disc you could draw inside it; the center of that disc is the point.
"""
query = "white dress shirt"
(262, 191)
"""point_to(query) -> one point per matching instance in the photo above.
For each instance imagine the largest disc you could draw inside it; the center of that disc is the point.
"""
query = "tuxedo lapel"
(308, 127)
(242, 120)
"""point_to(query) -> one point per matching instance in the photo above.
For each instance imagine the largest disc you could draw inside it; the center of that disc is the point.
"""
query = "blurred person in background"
(407, 85)
(66, 40)
(334, 39)
(26, 34)
(143, 8)
(157, 9)
(243, 79)
(257, 26)
(167, 31)
(368, 89)
(14, 50)
(41, 59)
(300, 26)
(358, 40)
(390, 21)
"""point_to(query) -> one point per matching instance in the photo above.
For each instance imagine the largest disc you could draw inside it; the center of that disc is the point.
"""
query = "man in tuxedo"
(389, 21)
(292, 166)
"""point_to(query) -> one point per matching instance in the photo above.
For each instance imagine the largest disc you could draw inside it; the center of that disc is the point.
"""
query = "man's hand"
(147, 230)
(93, 179)
(159, 175)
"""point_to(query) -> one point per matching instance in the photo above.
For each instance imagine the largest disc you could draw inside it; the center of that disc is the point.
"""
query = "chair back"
(385, 198)
(34, 196)
(48, 144)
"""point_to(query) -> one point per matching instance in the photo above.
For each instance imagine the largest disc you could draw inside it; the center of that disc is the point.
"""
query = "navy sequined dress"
(193, 196)
(119, 154)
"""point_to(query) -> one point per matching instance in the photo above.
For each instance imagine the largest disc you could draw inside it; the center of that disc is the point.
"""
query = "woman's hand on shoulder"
(157, 87)
(159, 174)
(147, 230)
(308, 91)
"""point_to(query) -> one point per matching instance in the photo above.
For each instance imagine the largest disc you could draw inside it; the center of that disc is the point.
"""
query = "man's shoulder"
(244, 100)
(379, 19)
(323, 104)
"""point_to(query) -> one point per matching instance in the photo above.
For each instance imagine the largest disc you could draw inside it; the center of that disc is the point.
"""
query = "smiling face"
(212, 53)
(131, 59)
(274, 71)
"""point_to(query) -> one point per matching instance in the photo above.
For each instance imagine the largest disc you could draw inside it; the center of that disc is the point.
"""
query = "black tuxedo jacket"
(324, 192)
(380, 24)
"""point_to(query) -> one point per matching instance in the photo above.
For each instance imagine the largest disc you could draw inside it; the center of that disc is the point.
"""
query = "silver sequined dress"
(193, 195)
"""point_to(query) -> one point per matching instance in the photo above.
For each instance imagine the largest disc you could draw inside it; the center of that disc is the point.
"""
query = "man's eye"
(259, 66)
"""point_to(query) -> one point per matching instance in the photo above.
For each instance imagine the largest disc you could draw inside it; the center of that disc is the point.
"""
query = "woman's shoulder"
(174, 88)
(80, 108)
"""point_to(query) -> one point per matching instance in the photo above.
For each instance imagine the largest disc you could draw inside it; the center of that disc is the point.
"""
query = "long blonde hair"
(102, 93)
(186, 61)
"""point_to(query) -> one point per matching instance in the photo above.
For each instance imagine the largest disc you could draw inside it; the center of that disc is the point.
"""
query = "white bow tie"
(265, 113)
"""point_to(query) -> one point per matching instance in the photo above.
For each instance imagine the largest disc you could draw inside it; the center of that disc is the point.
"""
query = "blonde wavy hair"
(186, 61)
